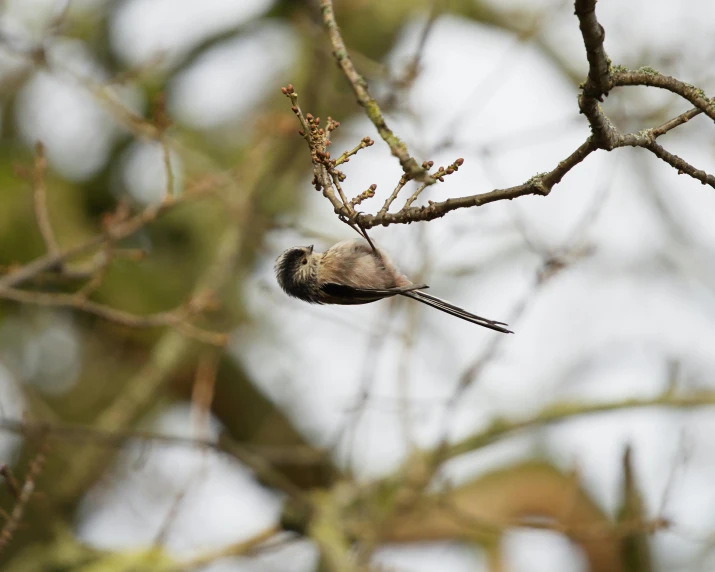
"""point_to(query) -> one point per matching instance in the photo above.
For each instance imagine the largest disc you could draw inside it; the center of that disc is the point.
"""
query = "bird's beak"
(311, 248)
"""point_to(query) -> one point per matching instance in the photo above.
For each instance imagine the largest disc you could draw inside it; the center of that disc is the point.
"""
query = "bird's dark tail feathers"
(456, 311)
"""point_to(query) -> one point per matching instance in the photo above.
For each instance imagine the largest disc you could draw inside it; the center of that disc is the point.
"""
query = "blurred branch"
(167, 356)
(327, 528)
(531, 494)
(634, 544)
(47, 262)
(265, 472)
(74, 432)
(22, 495)
(117, 227)
(242, 548)
(202, 396)
(557, 412)
(203, 391)
(412, 68)
(177, 318)
(173, 350)
(575, 530)
(40, 200)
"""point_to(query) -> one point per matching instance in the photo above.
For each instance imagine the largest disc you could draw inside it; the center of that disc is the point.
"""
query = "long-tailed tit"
(351, 272)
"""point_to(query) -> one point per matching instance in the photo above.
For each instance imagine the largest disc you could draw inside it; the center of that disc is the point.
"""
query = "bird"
(355, 272)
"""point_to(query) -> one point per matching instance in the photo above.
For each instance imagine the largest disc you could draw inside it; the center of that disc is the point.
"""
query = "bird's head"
(296, 271)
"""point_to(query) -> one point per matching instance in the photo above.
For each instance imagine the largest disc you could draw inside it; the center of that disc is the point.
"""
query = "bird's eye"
(304, 261)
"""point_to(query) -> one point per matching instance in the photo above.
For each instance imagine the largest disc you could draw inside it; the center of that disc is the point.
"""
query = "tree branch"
(681, 165)
(242, 548)
(359, 85)
(538, 185)
(175, 318)
(39, 193)
(651, 78)
(23, 497)
(79, 433)
(598, 82)
(557, 412)
(114, 231)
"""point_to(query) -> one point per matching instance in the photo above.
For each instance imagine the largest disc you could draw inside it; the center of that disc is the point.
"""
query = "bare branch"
(593, 34)
(538, 185)
(40, 200)
(681, 165)
(242, 548)
(391, 199)
(676, 122)
(359, 85)
(114, 231)
(649, 77)
(602, 77)
(23, 497)
(175, 318)
(604, 133)
(299, 455)
(365, 195)
(47, 262)
(78, 303)
(562, 411)
(345, 157)
(437, 176)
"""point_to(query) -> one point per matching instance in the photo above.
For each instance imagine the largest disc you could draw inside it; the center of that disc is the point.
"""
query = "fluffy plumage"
(351, 272)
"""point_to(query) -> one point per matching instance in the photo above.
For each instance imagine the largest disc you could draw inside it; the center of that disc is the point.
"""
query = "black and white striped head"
(297, 273)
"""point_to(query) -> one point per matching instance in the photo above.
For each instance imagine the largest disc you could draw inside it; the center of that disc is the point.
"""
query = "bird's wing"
(344, 294)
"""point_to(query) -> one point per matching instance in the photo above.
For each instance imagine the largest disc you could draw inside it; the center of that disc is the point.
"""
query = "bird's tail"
(456, 311)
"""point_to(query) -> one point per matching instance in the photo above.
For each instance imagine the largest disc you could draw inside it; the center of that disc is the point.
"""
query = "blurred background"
(167, 115)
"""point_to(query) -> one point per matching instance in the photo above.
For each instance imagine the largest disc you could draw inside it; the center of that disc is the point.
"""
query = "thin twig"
(345, 157)
(438, 175)
(412, 69)
(103, 259)
(168, 169)
(297, 455)
(174, 318)
(12, 484)
(651, 78)
(346, 203)
(23, 497)
(415, 195)
(115, 231)
(40, 200)
(391, 199)
(538, 185)
(681, 165)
